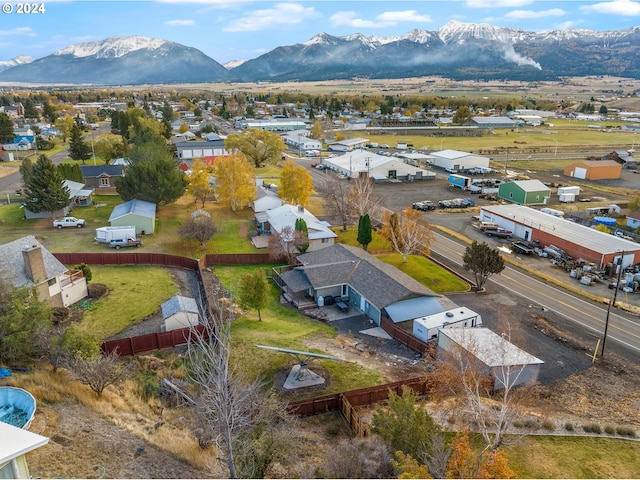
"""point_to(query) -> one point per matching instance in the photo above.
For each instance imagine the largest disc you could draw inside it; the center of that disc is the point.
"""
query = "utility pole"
(612, 303)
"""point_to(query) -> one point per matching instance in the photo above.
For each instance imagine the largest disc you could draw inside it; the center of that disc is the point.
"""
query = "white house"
(277, 219)
(377, 167)
(302, 141)
(496, 356)
(267, 199)
(180, 312)
(454, 160)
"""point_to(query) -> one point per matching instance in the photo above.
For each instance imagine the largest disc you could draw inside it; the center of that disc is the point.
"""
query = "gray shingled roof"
(178, 303)
(12, 267)
(136, 207)
(380, 283)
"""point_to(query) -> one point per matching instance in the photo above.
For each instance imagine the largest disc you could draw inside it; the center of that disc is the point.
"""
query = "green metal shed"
(139, 213)
(525, 192)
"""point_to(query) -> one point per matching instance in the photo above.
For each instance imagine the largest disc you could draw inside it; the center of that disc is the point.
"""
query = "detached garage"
(525, 192)
(139, 213)
(594, 170)
(492, 354)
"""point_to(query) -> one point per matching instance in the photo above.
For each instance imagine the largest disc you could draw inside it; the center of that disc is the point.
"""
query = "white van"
(312, 153)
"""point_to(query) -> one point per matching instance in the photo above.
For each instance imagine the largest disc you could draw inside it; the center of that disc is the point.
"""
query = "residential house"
(101, 177)
(493, 355)
(345, 273)
(15, 444)
(80, 196)
(377, 167)
(525, 192)
(277, 219)
(25, 262)
(267, 198)
(179, 312)
(5, 156)
(633, 220)
(138, 213)
(594, 169)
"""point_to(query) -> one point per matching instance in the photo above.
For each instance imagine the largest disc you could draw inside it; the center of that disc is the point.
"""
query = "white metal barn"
(504, 361)
(454, 160)
(426, 328)
(180, 312)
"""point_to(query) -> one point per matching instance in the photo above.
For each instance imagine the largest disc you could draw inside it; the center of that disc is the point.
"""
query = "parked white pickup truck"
(69, 222)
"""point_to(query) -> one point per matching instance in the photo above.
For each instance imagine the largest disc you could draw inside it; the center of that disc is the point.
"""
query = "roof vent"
(449, 314)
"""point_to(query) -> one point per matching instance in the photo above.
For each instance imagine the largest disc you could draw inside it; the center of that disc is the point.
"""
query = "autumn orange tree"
(235, 181)
(469, 462)
(296, 184)
(259, 146)
(408, 232)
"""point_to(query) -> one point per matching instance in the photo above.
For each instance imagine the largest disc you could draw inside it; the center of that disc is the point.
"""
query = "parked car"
(424, 205)
(499, 232)
(125, 242)
(69, 222)
(384, 145)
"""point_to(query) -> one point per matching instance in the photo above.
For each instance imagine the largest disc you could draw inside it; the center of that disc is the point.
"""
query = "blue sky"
(240, 29)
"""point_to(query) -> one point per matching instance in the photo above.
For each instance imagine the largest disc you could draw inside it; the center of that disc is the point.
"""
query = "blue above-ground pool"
(17, 407)
(608, 221)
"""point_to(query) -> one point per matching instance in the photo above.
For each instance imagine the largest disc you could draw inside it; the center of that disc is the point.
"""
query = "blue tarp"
(5, 372)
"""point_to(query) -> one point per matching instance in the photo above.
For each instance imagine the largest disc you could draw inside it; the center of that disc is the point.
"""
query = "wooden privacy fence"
(403, 336)
(350, 403)
(152, 341)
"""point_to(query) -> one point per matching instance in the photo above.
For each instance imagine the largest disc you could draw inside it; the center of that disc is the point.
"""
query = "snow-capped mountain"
(456, 50)
(120, 61)
(19, 60)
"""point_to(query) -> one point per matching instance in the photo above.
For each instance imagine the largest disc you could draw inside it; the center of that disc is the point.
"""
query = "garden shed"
(180, 312)
(138, 213)
(525, 192)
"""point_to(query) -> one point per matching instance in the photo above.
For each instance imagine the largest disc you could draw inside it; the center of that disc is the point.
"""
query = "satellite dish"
(300, 375)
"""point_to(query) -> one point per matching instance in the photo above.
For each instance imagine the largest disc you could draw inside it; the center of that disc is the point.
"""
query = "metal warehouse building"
(579, 241)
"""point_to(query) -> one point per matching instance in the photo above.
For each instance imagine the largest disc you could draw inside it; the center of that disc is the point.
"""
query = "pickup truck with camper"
(459, 181)
(499, 232)
(125, 242)
(69, 222)
(488, 226)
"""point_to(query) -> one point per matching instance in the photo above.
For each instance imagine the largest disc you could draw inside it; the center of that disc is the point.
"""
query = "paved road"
(623, 331)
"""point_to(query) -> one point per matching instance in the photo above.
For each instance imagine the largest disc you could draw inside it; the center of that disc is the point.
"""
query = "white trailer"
(426, 328)
(106, 234)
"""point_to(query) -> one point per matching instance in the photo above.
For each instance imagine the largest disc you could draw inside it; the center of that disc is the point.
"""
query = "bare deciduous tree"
(336, 201)
(98, 371)
(362, 200)
(408, 232)
(284, 245)
(228, 403)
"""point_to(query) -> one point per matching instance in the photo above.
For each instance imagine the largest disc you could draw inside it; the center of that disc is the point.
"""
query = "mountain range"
(456, 50)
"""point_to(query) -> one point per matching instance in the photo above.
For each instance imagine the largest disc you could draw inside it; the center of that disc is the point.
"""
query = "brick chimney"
(34, 264)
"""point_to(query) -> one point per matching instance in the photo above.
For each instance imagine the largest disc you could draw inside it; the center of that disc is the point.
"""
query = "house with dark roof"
(349, 274)
(101, 176)
(26, 263)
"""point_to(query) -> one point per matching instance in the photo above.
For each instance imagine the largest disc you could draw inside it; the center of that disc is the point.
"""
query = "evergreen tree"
(6, 128)
(364, 231)
(152, 175)
(49, 112)
(25, 170)
(44, 188)
(71, 171)
(78, 148)
(30, 109)
(483, 261)
(301, 235)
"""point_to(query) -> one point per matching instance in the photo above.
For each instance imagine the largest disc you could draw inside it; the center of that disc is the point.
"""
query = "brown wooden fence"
(152, 341)
(403, 336)
(350, 403)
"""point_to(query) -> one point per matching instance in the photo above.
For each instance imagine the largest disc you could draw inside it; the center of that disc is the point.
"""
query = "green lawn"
(378, 243)
(135, 293)
(283, 326)
(574, 457)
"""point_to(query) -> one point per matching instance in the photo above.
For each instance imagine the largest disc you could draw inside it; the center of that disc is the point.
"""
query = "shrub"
(518, 424)
(548, 425)
(626, 431)
(592, 428)
(609, 430)
(147, 383)
(529, 423)
(97, 290)
(568, 427)
(86, 271)
(60, 314)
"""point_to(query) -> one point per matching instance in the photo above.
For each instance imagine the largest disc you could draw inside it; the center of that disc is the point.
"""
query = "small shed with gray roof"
(139, 213)
(180, 312)
(350, 274)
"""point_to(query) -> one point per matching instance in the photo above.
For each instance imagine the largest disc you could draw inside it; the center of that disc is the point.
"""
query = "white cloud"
(281, 14)
(565, 25)
(18, 31)
(405, 16)
(625, 8)
(497, 3)
(531, 14)
(180, 23)
(384, 20)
